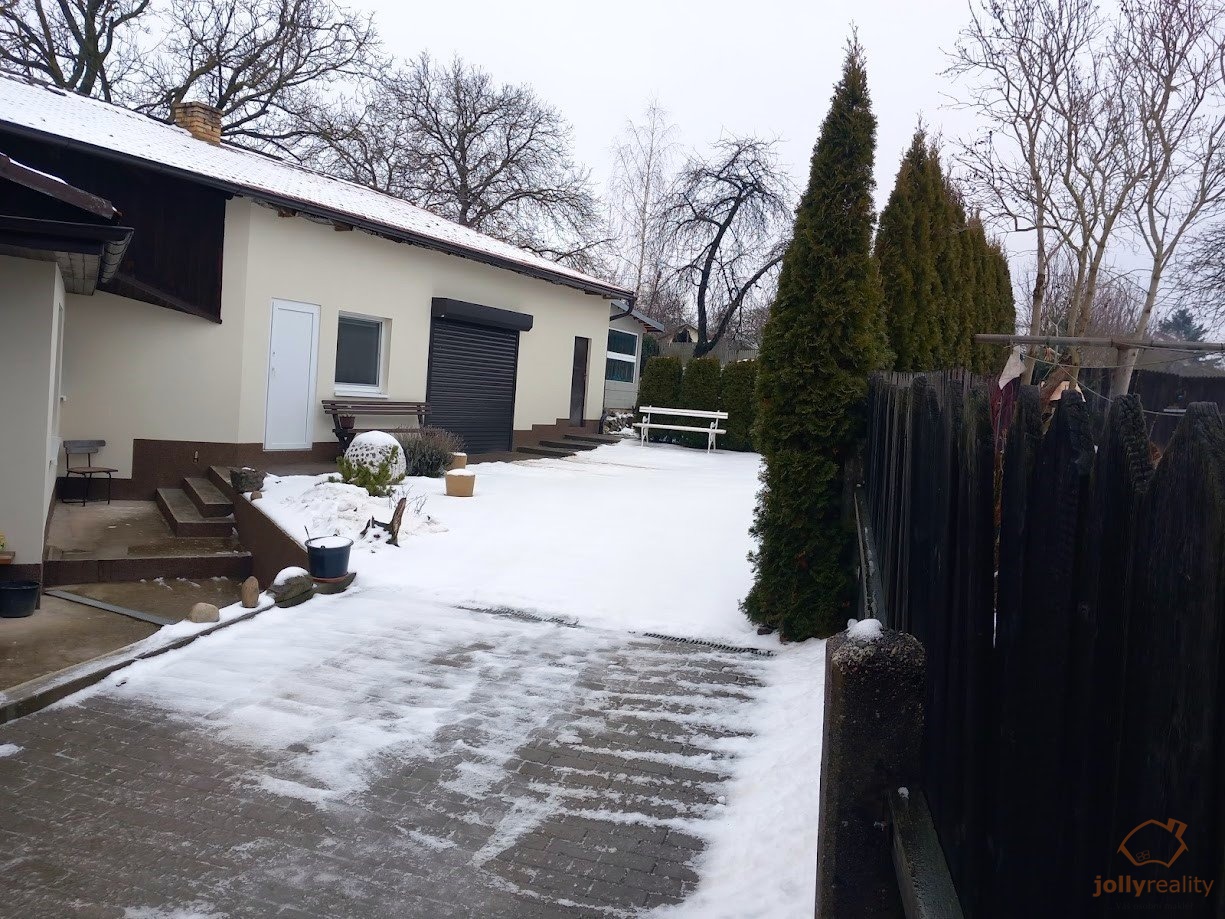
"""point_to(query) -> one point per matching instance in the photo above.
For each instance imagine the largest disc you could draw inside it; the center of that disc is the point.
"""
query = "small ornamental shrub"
(738, 397)
(660, 385)
(427, 451)
(699, 392)
(378, 479)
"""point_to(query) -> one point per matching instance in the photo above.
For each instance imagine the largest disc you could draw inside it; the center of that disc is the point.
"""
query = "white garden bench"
(646, 425)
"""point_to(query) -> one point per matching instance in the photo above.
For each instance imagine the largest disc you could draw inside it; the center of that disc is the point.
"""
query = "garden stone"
(249, 593)
(204, 612)
(292, 590)
(246, 479)
(372, 448)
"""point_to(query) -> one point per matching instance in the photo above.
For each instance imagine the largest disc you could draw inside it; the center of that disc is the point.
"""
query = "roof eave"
(370, 226)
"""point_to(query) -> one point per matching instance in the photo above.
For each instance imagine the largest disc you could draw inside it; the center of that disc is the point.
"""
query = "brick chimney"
(201, 119)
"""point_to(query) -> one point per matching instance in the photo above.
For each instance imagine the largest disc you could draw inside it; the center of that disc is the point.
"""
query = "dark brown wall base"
(162, 463)
(272, 549)
(21, 573)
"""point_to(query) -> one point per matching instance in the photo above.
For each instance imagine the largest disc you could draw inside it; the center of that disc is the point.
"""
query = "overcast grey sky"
(764, 67)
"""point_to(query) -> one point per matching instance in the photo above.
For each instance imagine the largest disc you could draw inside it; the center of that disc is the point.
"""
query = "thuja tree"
(824, 336)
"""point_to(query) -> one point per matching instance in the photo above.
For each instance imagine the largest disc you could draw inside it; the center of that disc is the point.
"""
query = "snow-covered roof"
(43, 112)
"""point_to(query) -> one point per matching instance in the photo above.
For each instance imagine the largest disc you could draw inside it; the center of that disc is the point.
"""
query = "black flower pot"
(18, 598)
(328, 556)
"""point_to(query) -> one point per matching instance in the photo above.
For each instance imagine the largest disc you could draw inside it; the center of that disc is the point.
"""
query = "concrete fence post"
(874, 686)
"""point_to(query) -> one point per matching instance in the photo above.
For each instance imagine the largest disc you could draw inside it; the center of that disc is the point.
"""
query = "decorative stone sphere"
(372, 448)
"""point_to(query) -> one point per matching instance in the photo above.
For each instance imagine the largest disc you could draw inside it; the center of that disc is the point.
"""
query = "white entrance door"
(292, 357)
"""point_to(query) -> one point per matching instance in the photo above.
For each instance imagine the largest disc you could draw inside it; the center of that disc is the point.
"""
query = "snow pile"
(319, 506)
(287, 574)
(760, 862)
(546, 535)
(863, 629)
(373, 448)
(9, 749)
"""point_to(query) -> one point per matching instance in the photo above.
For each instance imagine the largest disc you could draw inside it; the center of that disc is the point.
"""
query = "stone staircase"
(568, 444)
(198, 508)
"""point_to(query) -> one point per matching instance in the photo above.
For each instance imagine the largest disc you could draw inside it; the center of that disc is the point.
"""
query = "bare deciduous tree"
(1015, 54)
(494, 157)
(643, 162)
(727, 216)
(1172, 53)
(265, 64)
(84, 46)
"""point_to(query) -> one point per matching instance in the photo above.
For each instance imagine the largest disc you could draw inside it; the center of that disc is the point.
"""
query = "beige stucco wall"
(133, 370)
(31, 294)
(354, 272)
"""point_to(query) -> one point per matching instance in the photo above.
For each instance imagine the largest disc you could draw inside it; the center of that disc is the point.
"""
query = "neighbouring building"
(623, 364)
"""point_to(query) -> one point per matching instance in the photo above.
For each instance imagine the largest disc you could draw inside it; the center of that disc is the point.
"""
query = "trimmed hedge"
(660, 384)
(738, 397)
(699, 391)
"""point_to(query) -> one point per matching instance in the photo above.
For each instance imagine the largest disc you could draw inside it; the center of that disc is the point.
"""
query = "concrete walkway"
(441, 763)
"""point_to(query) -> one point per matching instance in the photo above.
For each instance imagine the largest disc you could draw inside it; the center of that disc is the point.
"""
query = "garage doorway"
(471, 387)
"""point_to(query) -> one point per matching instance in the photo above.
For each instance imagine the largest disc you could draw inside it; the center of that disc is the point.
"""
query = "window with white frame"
(622, 356)
(360, 357)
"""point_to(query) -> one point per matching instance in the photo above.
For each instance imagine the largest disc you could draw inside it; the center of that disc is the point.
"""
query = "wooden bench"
(339, 408)
(646, 425)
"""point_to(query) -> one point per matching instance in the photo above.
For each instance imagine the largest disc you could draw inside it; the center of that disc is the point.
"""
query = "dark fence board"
(1072, 687)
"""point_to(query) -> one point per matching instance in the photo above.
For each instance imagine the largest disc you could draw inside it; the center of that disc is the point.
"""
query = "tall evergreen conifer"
(824, 336)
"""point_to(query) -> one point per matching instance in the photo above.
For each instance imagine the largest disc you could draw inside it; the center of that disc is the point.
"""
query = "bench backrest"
(681, 412)
(332, 406)
(83, 447)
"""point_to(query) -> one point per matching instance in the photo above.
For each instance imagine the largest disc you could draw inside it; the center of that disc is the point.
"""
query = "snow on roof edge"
(84, 130)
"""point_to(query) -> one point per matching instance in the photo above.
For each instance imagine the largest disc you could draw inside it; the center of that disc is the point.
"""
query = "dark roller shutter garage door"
(471, 388)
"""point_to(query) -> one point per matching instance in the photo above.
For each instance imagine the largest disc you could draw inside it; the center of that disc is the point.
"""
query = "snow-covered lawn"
(648, 538)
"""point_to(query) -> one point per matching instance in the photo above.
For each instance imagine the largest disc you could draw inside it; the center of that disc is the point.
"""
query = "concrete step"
(545, 451)
(185, 519)
(220, 477)
(109, 570)
(207, 497)
(571, 445)
(592, 438)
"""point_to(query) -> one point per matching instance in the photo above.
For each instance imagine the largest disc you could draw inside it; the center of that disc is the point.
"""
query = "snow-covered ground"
(650, 538)
(621, 539)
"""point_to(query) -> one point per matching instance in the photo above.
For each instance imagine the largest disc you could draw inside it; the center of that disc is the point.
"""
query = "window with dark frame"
(622, 356)
(359, 352)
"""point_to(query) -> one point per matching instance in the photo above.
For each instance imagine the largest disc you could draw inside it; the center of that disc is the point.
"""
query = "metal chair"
(86, 448)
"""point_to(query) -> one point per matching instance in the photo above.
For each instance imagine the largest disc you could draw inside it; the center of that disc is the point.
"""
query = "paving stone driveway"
(559, 772)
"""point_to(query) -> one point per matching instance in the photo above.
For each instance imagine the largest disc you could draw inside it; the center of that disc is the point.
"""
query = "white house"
(250, 290)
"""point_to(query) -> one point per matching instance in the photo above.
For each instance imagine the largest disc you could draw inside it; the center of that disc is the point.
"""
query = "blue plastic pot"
(328, 556)
(18, 598)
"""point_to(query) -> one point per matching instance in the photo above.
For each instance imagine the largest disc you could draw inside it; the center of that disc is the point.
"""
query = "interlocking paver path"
(335, 760)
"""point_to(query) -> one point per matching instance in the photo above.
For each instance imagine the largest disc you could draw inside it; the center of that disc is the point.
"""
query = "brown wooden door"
(578, 380)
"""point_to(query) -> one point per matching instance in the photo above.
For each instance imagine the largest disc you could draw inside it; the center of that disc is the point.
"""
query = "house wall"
(32, 294)
(618, 395)
(357, 273)
(138, 371)
(134, 370)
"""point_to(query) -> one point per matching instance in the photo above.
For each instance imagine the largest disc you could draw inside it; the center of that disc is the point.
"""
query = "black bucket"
(18, 598)
(328, 556)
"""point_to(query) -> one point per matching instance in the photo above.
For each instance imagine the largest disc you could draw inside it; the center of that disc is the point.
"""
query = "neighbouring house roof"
(42, 112)
(88, 253)
(618, 312)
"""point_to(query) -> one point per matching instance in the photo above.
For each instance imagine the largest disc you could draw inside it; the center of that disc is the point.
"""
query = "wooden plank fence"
(1074, 621)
